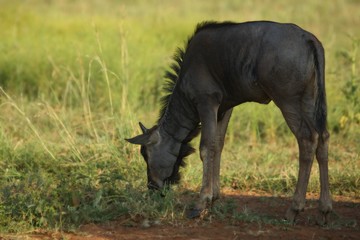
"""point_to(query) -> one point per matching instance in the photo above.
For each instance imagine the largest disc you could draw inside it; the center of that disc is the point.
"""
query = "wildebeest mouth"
(153, 186)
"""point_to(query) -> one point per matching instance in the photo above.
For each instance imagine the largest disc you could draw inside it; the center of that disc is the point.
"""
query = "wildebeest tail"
(320, 102)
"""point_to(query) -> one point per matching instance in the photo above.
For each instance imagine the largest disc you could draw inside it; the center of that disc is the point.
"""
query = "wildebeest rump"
(224, 65)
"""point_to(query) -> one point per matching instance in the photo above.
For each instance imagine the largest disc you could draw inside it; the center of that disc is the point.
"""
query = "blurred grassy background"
(77, 76)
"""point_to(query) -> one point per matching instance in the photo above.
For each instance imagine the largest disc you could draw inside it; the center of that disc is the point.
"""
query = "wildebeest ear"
(143, 128)
(140, 139)
(145, 138)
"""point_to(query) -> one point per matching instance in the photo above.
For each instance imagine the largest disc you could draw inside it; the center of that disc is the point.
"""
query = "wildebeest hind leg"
(307, 138)
(325, 203)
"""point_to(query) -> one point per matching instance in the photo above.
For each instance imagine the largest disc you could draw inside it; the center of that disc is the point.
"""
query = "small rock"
(157, 222)
(146, 223)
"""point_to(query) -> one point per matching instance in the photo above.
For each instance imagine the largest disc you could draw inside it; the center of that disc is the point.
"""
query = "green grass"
(76, 77)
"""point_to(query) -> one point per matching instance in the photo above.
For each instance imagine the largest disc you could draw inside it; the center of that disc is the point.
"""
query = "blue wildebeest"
(224, 65)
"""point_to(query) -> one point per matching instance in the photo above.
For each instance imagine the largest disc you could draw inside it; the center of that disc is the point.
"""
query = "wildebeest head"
(162, 154)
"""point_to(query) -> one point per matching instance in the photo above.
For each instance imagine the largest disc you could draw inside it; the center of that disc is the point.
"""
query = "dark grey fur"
(222, 66)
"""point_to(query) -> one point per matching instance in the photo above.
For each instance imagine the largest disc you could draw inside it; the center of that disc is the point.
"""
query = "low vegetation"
(76, 77)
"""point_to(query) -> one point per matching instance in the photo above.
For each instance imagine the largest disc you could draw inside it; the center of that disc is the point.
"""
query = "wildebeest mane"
(172, 76)
(185, 150)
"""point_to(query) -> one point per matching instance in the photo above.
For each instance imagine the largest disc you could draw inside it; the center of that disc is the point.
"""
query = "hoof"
(291, 215)
(325, 212)
(323, 218)
(196, 213)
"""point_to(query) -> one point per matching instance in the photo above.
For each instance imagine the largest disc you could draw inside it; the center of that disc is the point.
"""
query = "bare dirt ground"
(344, 225)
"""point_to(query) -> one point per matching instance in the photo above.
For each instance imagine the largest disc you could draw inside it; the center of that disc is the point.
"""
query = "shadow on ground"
(237, 215)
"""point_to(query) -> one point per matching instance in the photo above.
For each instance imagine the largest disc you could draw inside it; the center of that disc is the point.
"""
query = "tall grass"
(76, 77)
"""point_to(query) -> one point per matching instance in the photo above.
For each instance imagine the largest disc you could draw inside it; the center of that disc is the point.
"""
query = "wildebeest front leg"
(208, 116)
(222, 124)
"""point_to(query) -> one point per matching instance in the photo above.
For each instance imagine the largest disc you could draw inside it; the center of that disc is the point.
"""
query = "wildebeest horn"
(143, 128)
(143, 138)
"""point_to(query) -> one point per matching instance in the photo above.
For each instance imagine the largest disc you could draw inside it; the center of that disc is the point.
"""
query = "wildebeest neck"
(180, 123)
(179, 119)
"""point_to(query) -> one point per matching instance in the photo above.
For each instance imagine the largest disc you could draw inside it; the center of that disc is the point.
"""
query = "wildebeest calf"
(222, 66)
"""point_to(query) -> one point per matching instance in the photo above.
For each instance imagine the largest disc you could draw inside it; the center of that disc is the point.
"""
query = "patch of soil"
(260, 217)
